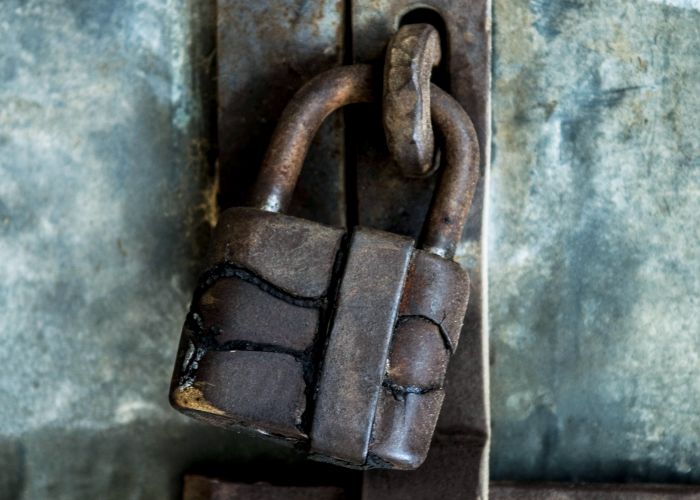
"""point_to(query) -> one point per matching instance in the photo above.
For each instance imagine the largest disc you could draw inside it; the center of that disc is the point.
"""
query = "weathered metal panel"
(593, 249)
(105, 197)
(554, 491)
(266, 51)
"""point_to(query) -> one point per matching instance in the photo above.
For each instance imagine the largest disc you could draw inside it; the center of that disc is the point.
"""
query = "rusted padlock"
(335, 342)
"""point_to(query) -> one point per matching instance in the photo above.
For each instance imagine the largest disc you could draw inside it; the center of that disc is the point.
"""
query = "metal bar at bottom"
(552, 491)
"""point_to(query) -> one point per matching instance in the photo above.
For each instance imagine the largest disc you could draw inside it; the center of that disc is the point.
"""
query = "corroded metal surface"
(383, 194)
(346, 85)
(266, 51)
(297, 126)
(204, 488)
(355, 360)
(250, 344)
(554, 491)
(594, 230)
(279, 248)
(467, 26)
(410, 57)
(342, 374)
(354, 374)
(348, 399)
(452, 200)
(425, 337)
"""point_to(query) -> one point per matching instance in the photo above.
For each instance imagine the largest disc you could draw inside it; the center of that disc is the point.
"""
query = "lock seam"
(225, 270)
(320, 342)
(443, 333)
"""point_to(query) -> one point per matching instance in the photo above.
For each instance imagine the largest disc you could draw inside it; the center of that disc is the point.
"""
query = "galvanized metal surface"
(594, 273)
(105, 203)
(554, 491)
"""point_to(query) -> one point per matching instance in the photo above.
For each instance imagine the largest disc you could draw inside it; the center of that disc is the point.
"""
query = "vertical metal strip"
(457, 466)
(266, 51)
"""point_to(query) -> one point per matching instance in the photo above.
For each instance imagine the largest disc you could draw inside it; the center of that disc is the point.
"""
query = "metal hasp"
(457, 465)
(410, 57)
(338, 345)
(304, 115)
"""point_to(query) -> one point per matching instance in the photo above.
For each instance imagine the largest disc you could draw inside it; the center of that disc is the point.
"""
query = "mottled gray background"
(594, 237)
(594, 272)
(104, 201)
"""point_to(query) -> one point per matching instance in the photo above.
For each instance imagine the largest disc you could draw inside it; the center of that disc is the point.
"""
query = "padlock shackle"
(345, 85)
(296, 128)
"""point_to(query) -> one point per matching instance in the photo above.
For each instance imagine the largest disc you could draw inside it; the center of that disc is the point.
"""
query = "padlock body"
(425, 335)
(338, 345)
(246, 354)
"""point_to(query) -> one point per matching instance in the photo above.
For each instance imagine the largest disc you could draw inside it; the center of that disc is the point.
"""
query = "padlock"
(335, 342)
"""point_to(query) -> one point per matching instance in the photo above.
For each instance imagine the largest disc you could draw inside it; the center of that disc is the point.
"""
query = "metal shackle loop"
(345, 85)
(301, 119)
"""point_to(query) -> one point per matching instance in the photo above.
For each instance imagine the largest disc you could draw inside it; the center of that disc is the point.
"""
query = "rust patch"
(191, 398)
(210, 199)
